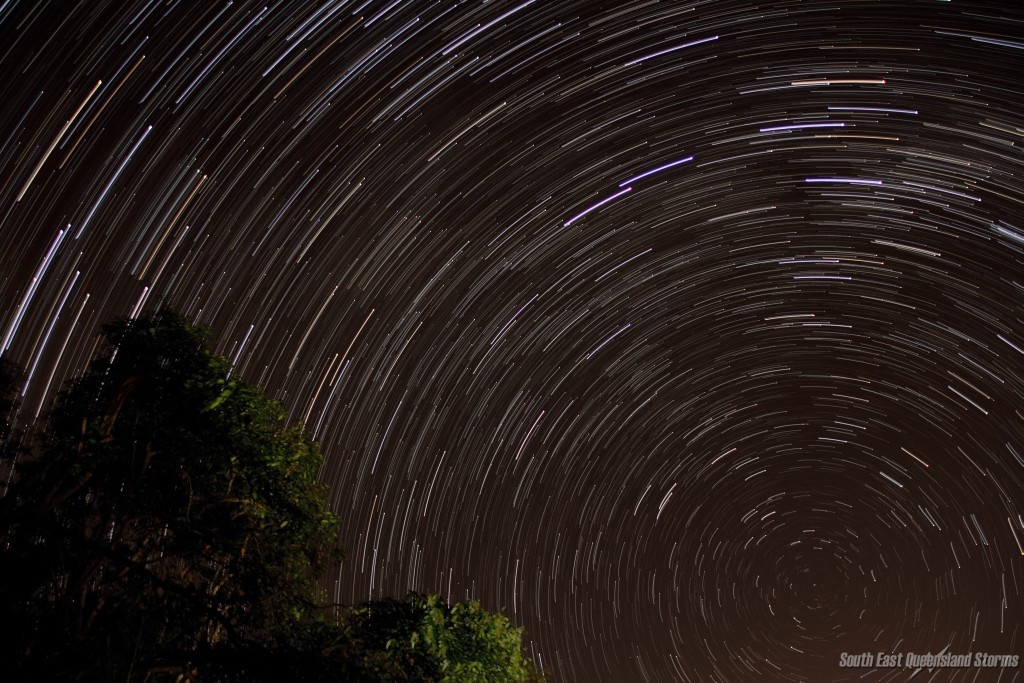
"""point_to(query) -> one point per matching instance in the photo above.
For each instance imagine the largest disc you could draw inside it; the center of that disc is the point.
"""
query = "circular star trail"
(688, 334)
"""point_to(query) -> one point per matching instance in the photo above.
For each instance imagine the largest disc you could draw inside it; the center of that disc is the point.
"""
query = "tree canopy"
(169, 525)
(422, 638)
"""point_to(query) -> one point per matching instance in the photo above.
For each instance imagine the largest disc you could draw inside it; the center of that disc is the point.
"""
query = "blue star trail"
(688, 334)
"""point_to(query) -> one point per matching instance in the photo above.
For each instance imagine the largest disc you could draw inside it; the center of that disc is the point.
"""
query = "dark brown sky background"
(689, 334)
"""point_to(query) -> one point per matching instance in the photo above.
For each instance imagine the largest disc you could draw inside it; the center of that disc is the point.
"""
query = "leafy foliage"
(170, 521)
(169, 526)
(422, 638)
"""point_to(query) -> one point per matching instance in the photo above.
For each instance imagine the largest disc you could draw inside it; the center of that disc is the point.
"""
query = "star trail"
(690, 334)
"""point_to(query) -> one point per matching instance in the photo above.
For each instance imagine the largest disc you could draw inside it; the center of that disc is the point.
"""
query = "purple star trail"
(688, 334)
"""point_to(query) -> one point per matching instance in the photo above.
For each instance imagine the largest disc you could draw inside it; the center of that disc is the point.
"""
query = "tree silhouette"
(170, 521)
(169, 526)
(422, 638)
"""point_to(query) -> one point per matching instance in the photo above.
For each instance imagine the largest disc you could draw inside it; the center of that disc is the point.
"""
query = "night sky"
(688, 334)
